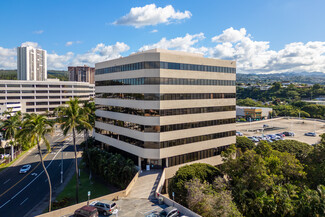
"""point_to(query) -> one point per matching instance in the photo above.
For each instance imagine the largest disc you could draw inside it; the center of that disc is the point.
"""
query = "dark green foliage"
(203, 172)
(299, 149)
(114, 168)
(244, 143)
(316, 166)
(12, 75)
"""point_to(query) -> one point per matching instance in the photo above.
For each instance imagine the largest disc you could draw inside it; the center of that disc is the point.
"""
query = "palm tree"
(72, 118)
(89, 112)
(10, 128)
(35, 128)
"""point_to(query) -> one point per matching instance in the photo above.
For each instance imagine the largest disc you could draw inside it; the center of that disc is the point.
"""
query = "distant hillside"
(306, 78)
(12, 74)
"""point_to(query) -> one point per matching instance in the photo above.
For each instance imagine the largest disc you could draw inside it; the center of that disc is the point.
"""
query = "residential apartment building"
(41, 96)
(82, 74)
(166, 108)
(31, 64)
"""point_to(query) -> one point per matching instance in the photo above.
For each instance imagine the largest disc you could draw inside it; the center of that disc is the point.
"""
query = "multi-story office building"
(31, 64)
(82, 74)
(41, 96)
(166, 108)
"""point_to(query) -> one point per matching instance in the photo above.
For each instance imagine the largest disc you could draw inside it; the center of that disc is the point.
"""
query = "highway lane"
(26, 191)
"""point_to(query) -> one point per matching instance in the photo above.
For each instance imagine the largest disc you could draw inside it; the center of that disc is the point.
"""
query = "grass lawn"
(9, 164)
(97, 189)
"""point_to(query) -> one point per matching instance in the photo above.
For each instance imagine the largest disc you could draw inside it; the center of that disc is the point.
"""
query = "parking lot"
(135, 208)
(279, 125)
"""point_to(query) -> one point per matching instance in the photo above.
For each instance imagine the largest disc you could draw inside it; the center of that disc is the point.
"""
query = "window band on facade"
(166, 96)
(165, 144)
(164, 112)
(164, 65)
(164, 128)
(165, 81)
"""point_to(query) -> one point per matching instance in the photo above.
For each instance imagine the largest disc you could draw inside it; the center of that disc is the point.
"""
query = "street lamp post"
(61, 166)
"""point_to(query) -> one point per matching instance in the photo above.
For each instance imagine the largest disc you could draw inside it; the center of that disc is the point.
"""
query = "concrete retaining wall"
(169, 202)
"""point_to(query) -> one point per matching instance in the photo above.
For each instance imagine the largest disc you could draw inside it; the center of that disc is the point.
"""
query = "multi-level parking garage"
(41, 96)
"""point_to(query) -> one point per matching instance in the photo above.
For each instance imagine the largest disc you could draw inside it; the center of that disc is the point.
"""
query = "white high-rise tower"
(31, 64)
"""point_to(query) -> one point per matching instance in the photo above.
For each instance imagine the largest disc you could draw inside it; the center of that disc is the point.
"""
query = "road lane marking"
(5, 204)
(28, 173)
(36, 176)
(6, 181)
(24, 201)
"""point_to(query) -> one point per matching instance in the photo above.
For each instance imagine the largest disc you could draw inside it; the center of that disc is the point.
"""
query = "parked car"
(265, 126)
(86, 211)
(280, 134)
(104, 206)
(25, 168)
(310, 134)
(239, 133)
(169, 212)
(289, 133)
(253, 139)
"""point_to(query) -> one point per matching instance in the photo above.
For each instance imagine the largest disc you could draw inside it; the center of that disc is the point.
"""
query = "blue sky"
(263, 36)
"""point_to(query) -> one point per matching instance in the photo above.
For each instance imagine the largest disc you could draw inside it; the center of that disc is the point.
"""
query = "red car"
(86, 211)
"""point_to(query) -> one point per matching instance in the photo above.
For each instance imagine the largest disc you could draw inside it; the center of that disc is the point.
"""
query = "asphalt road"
(19, 193)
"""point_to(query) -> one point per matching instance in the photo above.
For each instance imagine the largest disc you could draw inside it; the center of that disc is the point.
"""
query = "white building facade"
(41, 96)
(166, 108)
(31, 64)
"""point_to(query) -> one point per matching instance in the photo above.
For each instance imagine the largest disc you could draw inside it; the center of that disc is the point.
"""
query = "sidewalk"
(145, 186)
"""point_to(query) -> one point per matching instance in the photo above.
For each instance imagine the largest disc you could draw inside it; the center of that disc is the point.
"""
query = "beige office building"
(166, 108)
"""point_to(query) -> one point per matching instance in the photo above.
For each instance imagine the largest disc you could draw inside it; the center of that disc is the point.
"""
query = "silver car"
(25, 168)
(104, 206)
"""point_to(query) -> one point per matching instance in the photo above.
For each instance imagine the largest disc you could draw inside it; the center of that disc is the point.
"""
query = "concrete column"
(166, 161)
(139, 162)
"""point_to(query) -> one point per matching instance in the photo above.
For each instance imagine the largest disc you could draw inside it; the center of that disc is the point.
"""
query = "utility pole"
(62, 165)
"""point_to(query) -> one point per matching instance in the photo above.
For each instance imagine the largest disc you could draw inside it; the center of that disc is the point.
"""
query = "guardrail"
(170, 202)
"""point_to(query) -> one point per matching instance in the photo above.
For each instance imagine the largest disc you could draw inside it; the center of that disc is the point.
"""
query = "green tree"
(300, 149)
(88, 111)
(244, 143)
(10, 128)
(203, 172)
(72, 119)
(210, 200)
(36, 128)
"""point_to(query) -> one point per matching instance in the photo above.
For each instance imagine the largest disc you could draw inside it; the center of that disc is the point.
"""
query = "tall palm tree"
(89, 112)
(72, 118)
(35, 128)
(10, 128)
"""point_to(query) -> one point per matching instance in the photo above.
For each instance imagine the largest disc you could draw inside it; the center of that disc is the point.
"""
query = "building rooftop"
(159, 50)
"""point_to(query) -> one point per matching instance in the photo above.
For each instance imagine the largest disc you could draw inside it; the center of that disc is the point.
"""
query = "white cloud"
(154, 31)
(30, 43)
(8, 58)
(100, 53)
(180, 43)
(230, 35)
(257, 57)
(69, 43)
(55, 61)
(38, 32)
(151, 15)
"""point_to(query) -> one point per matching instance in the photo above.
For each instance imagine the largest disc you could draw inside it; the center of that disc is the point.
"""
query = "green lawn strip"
(2, 167)
(97, 189)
